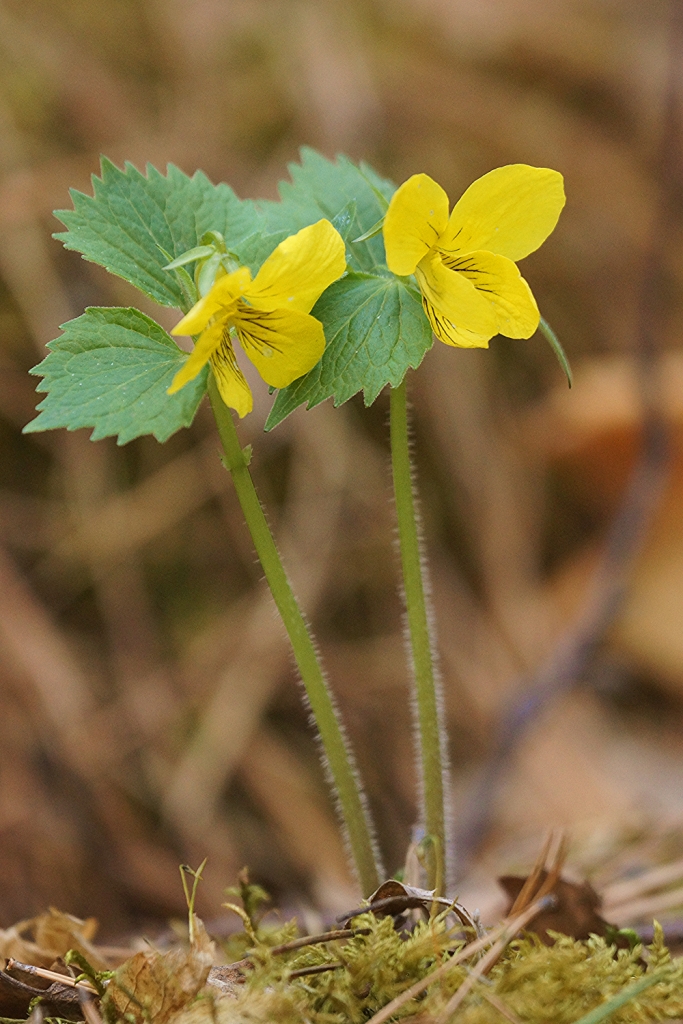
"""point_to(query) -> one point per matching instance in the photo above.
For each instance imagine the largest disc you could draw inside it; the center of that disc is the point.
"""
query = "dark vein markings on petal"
(247, 338)
(458, 232)
(223, 359)
(459, 263)
(248, 341)
(438, 322)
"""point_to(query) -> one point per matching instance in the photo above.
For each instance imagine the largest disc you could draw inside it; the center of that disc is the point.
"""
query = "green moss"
(560, 983)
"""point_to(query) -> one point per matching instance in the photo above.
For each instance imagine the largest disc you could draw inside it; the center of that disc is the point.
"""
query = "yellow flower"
(269, 316)
(464, 264)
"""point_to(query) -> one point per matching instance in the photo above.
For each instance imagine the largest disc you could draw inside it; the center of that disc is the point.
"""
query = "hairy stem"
(335, 746)
(427, 696)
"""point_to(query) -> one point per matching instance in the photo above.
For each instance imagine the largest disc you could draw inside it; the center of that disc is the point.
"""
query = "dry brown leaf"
(575, 912)
(62, 932)
(14, 944)
(42, 940)
(155, 986)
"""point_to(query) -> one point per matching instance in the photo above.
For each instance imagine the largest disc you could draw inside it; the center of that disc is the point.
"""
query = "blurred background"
(149, 710)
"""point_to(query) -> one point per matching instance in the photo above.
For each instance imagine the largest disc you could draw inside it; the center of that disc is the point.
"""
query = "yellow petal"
(510, 211)
(231, 382)
(417, 215)
(450, 334)
(221, 297)
(281, 343)
(207, 343)
(297, 273)
(500, 282)
(455, 297)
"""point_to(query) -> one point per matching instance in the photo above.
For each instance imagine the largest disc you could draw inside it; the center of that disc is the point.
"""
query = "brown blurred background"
(149, 710)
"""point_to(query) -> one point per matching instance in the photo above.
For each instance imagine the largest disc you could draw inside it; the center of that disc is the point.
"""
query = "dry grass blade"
(498, 1004)
(88, 1007)
(648, 906)
(618, 893)
(555, 868)
(542, 881)
(531, 884)
(475, 975)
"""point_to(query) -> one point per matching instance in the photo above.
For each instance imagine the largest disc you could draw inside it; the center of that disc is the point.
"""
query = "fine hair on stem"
(427, 702)
(338, 756)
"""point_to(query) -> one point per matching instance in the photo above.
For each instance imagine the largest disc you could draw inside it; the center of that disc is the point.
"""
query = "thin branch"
(43, 972)
(318, 969)
(313, 940)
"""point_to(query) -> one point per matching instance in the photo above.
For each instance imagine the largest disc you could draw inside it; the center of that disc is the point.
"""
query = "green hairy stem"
(335, 746)
(427, 691)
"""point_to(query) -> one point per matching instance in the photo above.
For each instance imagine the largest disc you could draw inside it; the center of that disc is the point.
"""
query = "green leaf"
(253, 251)
(322, 188)
(135, 224)
(110, 371)
(374, 323)
(375, 329)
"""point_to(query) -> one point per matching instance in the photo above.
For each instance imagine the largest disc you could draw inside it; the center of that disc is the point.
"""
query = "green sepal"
(370, 233)
(200, 252)
(375, 329)
(554, 342)
(215, 239)
(110, 370)
(135, 224)
(205, 276)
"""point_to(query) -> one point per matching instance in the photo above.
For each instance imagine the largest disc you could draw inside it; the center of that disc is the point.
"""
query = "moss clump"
(563, 982)
(532, 982)
(375, 968)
